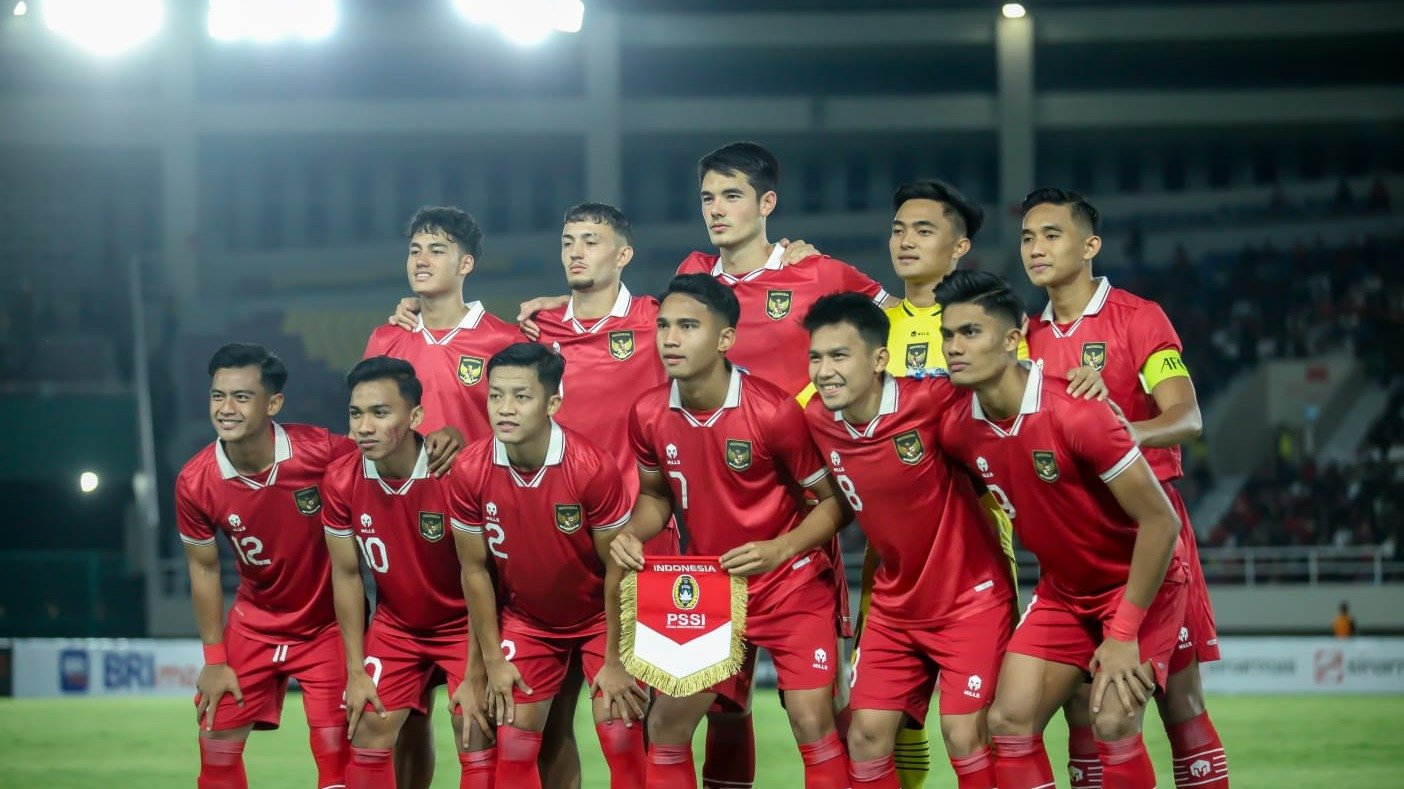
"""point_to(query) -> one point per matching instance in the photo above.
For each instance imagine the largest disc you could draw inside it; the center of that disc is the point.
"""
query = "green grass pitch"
(1273, 741)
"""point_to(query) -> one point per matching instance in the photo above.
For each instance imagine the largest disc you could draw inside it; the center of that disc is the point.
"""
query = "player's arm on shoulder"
(526, 313)
(1179, 419)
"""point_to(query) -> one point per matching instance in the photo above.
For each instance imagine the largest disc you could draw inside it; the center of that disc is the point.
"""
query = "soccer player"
(730, 453)
(538, 499)
(1082, 498)
(384, 505)
(259, 484)
(942, 598)
(1130, 341)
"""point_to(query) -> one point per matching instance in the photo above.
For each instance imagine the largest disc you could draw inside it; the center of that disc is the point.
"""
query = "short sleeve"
(1149, 333)
(1096, 438)
(853, 279)
(336, 503)
(339, 447)
(377, 345)
(463, 488)
(639, 440)
(194, 524)
(792, 446)
(607, 505)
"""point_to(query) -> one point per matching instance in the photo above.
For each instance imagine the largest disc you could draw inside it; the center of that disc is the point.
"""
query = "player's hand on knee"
(471, 705)
(627, 551)
(1087, 383)
(215, 680)
(442, 447)
(755, 558)
(527, 312)
(622, 696)
(406, 314)
(1116, 665)
(360, 691)
(503, 677)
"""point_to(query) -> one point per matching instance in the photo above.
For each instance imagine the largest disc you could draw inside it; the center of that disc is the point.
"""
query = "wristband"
(1127, 621)
(214, 653)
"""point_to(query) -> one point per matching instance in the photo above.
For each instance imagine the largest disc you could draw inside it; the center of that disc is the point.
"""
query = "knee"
(964, 735)
(667, 732)
(866, 743)
(811, 723)
(1008, 720)
(1112, 725)
(375, 732)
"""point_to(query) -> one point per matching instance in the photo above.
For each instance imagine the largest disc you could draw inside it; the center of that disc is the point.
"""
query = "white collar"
(888, 405)
(1099, 300)
(619, 310)
(555, 453)
(421, 471)
(733, 399)
(470, 321)
(1033, 398)
(772, 263)
(282, 450)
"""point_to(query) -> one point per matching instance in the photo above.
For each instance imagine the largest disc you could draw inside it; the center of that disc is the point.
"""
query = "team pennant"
(682, 620)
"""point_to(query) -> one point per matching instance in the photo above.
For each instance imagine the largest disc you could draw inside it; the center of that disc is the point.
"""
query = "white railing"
(1312, 565)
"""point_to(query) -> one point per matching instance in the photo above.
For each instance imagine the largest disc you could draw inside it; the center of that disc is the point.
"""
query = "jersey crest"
(470, 370)
(308, 500)
(777, 303)
(621, 344)
(568, 518)
(916, 356)
(1045, 465)
(685, 593)
(431, 526)
(738, 454)
(1094, 355)
(909, 447)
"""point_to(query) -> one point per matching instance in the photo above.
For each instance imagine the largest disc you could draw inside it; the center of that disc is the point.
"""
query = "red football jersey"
(610, 362)
(738, 473)
(1049, 466)
(940, 560)
(540, 528)
(273, 523)
(452, 366)
(402, 531)
(770, 339)
(1117, 333)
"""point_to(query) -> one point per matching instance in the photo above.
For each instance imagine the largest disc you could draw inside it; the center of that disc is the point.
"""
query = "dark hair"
(1082, 210)
(990, 291)
(272, 373)
(549, 365)
(852, 308)
(451, 221)
(715, 296)
(967, 216)
(388, 368)
(750, 159)
(604, 214)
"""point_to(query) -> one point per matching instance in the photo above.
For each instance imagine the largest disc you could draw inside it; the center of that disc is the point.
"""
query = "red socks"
(1084, 768)
(1125, 763)
(331, 751)
(478, 767)
(731, 752)
(370, 768)
(975, 771)
(1021, 762)
(222, 765)
(1199, 755)
(825, 763)
(874, 774)
(671, 767)
(623, 748)
(517, 750)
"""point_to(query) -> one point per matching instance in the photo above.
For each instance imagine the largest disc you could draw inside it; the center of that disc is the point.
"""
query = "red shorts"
(404, 665)
(798, 631)
(1069, 631)
(896, 668)
(264, 668)
(734, 692)
(544, 660)
(1199, 637)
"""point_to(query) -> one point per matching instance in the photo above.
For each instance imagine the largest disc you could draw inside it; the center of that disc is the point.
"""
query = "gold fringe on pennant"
(661, 679)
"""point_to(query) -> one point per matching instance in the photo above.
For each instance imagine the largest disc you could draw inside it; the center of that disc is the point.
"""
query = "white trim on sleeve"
(467, 528)
(1121, 465)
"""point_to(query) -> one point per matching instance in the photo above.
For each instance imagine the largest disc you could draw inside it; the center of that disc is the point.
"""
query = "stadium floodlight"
(1014, 11)
(266, 21)
(21, 8)
(524, 22)
(88, 481)
(105, 27)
